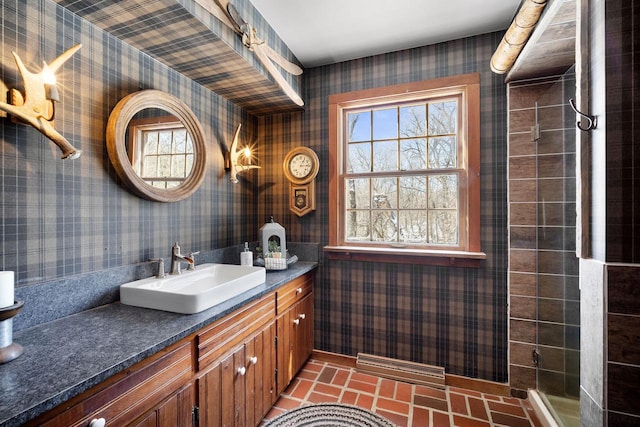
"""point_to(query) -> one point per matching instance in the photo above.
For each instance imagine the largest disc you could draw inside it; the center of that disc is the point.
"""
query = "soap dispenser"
(246, 257)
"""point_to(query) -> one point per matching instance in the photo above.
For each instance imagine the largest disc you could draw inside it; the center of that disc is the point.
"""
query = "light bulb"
(49, 80)
(48, 77)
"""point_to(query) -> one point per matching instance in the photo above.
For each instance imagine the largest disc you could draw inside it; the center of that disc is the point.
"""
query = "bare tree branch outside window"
(402, 173)
(166, 154)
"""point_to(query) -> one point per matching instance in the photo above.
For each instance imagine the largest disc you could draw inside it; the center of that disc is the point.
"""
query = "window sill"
(405, 256)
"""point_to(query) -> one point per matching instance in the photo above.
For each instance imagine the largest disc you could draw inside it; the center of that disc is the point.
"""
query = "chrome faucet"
(160, 261)
(192, 255)
(177, 259)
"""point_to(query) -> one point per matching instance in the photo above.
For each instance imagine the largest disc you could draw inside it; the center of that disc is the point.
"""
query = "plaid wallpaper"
(189, 39)
(65, 218)
(61, 218)
(452, 317)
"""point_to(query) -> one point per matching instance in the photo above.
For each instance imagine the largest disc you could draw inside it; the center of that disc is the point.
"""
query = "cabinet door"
(295, 339)
(304, 331)
(221, 392)
(209, 396)
(284, 349)
(151, 420)
(176, 411)
(260, 377)
(233, 372)
(240, 389)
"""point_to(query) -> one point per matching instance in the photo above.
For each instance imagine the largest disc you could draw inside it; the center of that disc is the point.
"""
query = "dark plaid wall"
(61, 218)
(66, 218)
(453, 317)
(189, 39)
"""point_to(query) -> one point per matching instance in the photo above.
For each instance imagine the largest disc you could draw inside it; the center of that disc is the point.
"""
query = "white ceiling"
(322, 32)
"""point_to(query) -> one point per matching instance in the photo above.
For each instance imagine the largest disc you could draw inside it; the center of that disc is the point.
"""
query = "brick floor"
(404, 404)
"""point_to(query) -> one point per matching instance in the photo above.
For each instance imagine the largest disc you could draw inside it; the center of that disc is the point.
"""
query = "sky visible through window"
(402, 174)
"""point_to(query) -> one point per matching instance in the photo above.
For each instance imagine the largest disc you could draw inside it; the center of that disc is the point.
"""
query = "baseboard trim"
(474, 384)
(338, 359)
(401, 370)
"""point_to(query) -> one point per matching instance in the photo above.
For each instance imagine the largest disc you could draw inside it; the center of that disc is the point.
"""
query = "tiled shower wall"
(610, 289)
(544, 292)
(622, 315)
(62, 218)
(445, 316)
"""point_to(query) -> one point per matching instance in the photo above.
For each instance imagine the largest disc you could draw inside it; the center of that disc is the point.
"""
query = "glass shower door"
(558, 297)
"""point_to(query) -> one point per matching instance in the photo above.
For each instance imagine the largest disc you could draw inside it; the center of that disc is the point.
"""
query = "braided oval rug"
(329, 414)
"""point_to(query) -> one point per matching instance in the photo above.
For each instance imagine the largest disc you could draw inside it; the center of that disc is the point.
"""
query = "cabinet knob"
(299, 291)
(242, 370)
(97, 422)
(253, 360)
(303, 316)
(296, 321)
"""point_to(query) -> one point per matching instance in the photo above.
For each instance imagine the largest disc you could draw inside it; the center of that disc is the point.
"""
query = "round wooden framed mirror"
(156, 145)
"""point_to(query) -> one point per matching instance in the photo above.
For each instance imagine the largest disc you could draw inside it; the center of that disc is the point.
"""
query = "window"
(405, 172)
(160, 150)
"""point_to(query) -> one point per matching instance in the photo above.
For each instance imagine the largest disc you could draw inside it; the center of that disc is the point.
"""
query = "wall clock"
(301, 166)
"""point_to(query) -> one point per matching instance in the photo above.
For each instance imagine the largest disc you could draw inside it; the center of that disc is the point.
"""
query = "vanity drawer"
(294, 291)
(128, 395)
(231, 331)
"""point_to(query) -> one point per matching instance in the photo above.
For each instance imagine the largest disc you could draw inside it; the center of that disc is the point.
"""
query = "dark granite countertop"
(67, 356)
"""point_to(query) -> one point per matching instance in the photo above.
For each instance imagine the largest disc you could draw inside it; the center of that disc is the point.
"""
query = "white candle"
(6, 289)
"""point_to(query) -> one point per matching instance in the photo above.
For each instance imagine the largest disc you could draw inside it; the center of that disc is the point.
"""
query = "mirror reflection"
(160, 148)
(156, 145)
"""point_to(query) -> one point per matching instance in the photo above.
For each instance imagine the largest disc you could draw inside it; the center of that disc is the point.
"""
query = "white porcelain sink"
(192, 291)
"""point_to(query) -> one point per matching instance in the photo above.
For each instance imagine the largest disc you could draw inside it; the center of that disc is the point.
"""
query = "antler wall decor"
(232, 158)
(229, 16)
(36, 106)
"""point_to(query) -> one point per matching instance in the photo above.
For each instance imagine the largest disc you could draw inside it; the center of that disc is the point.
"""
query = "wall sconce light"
(36, 106)
(237, 161)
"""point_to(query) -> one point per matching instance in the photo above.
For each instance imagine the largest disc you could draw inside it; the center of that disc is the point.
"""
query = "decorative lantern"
(274, 246)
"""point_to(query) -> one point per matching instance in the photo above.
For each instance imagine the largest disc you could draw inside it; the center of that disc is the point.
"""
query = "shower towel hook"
(593, 120)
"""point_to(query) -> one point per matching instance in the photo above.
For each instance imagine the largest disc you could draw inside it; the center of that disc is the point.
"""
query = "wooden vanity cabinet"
(236, 359)
(153, 392)
(229, 373)
(294, 320)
